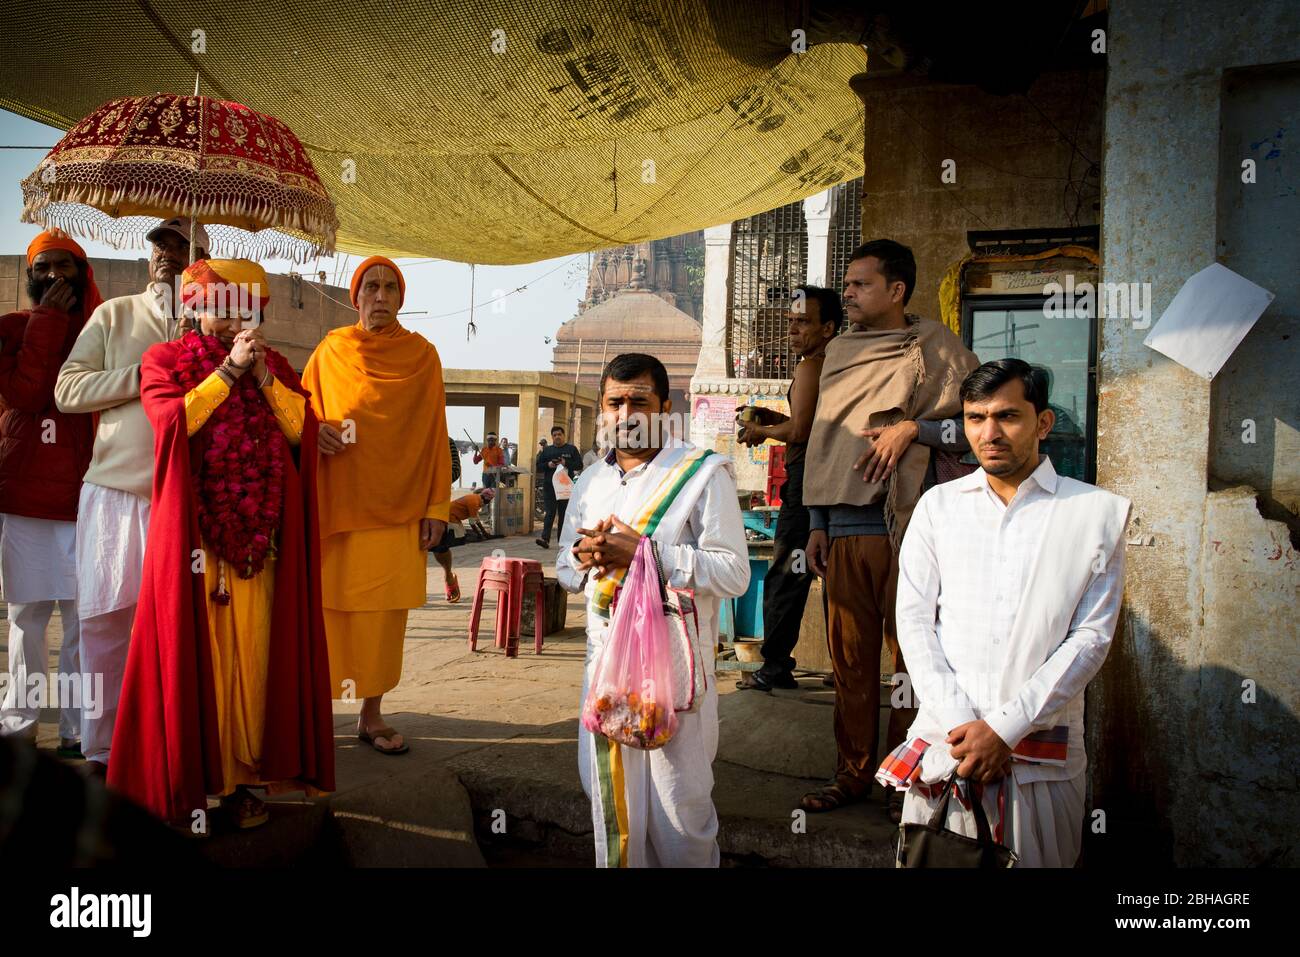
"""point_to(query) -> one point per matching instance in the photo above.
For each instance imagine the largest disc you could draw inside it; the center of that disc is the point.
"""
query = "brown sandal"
(385, 732)
(246, 808)
(829, 798)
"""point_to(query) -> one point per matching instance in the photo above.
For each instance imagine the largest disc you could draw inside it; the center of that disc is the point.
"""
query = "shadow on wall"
(1205, 777)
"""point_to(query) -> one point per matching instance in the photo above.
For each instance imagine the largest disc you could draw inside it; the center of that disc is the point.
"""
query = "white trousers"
(29, 656)
(112, 528)
(104, 641)
(1044, 819)
(654, 808)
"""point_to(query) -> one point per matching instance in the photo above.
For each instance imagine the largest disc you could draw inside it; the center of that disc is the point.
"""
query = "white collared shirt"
(963, 568)
(711, 556)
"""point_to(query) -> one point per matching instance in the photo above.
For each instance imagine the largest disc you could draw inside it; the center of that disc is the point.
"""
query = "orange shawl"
(384, 391)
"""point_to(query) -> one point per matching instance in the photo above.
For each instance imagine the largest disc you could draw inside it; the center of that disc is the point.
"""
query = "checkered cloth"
(902, 766)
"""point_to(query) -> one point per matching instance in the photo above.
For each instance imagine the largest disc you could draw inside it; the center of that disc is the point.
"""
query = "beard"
(37, 288)
(1008, 465)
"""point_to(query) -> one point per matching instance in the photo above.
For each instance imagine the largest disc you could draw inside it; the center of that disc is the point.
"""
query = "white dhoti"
(1043, 820)
(38, 571)
(112, 527)
(654, 808)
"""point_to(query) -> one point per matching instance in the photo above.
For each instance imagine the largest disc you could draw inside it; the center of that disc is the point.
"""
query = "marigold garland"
(239, 483)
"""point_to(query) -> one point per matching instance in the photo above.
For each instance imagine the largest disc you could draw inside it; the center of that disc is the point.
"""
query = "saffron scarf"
(384, 391)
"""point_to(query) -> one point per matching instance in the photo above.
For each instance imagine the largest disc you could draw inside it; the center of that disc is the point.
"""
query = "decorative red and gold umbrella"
(140, 158)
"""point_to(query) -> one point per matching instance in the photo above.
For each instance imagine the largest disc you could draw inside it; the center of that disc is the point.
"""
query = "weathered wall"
(1255, 399)
(1210, 601)
(1013, 170)
(293, 332)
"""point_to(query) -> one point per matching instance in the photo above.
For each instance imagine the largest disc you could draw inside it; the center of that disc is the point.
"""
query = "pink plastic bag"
(630, 698)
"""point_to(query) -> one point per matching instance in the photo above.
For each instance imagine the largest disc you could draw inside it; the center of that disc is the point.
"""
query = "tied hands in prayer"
(608, 547)
(248, 351)
(982, 755)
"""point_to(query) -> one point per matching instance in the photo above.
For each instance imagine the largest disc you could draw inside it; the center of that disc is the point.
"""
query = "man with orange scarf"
(43, 456)
(385, 488)
(227, 682)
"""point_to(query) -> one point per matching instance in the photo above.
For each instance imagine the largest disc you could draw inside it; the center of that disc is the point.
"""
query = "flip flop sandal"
(385, 732)
(453, 590)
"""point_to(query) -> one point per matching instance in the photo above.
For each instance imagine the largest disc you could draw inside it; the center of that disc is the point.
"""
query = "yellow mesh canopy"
(499, 131)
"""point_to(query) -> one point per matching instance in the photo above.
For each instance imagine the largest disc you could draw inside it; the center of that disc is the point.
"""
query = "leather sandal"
(830, 798)
(247, 809)
(385, 732)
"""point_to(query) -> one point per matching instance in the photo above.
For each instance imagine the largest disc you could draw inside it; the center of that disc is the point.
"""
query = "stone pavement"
(494, 748)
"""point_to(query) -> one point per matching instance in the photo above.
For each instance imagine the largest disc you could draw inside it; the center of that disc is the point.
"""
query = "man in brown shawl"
(888, 403)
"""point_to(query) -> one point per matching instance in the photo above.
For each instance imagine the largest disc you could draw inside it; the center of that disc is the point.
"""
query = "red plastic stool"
(512, 579)
(534, 584)
(501, 582)
(519, 569)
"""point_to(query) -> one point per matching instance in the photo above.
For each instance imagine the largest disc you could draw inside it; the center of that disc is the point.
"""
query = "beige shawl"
(875, 378)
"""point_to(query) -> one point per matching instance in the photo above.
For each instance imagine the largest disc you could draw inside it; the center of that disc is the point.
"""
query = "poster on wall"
(713, 425)
(712, 415)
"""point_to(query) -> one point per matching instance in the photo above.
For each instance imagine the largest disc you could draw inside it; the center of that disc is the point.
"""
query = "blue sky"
(512, 338)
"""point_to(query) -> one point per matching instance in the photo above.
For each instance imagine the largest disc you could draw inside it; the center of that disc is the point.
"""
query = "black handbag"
(933, 845)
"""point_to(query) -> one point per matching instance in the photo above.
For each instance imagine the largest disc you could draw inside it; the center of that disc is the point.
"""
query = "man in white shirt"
(102, 374)
(653, 808)
(1009, 590)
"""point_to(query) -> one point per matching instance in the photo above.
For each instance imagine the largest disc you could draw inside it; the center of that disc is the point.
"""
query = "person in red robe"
(227, 678)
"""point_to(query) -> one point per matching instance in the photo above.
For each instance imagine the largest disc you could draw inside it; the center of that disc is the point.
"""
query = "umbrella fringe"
(319, 229)
(274, 246)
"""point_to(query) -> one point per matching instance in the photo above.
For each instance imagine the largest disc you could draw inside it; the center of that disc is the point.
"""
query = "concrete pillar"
(817, 211)
(1171, 690)
(527, 449)
(586, 428)
(491, 420)
(717, 273)
(560, 417)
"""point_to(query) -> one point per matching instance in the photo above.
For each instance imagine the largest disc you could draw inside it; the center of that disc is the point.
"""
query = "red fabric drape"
(166, 752)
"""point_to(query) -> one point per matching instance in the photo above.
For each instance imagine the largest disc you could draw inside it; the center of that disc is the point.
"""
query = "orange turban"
(243, 274)
(378, 261)
(58, 239)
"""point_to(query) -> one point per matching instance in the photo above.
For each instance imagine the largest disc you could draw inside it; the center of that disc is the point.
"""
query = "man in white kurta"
(655, 808)
(102, 375)
(1006, 608)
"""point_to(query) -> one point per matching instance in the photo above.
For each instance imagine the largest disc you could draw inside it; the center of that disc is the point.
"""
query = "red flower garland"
(239, 483)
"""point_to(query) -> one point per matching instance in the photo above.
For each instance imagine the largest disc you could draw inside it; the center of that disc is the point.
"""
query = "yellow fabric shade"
(522, 131)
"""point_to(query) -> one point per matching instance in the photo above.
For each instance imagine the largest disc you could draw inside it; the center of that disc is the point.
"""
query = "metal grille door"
(769, 258)
(845, 233)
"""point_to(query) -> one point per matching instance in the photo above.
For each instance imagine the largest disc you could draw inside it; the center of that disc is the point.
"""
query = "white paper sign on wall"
(1208, 318)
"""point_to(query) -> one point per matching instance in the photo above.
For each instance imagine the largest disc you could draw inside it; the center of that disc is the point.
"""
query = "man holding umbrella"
(102, 375)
